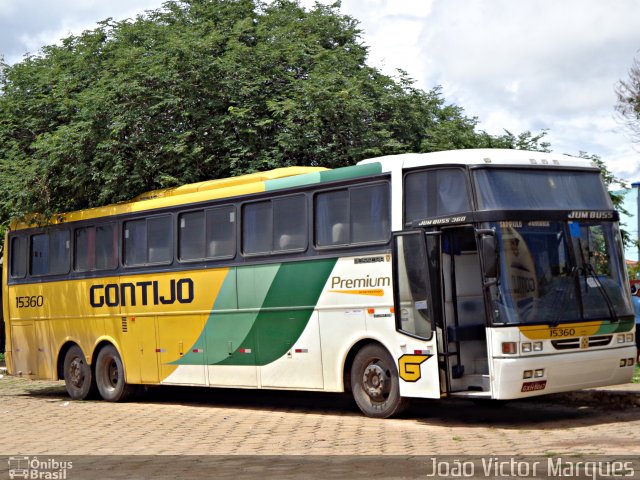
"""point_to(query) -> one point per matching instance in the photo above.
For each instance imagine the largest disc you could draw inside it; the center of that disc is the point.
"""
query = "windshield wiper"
(589, 271)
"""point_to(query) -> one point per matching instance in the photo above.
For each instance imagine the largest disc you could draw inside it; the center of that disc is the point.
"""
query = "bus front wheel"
(375, 384)
(78, 378)
(110, 376)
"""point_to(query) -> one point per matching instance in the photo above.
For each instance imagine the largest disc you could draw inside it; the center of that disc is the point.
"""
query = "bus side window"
(18, 257)
(332, 218)
(370, 214)
(434, 193)
(106, 253)
(290, 223)
(39, 254)
(221, 232)
(191, 240)
(148, 241)
(276, 225)
(59, 252)
(355, 215)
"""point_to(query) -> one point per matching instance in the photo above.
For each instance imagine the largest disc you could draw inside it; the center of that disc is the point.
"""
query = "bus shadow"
(548, 413)
(552, 413)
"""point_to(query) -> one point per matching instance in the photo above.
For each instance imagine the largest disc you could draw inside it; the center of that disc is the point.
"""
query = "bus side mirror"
(489, 253)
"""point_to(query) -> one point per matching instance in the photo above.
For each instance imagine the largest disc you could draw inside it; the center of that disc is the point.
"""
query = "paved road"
(38, 418)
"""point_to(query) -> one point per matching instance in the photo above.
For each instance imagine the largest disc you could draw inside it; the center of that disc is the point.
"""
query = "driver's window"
(413, 306)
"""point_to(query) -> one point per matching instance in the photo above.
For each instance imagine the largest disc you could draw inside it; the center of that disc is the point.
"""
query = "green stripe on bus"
(291, 182)
(275, 302)
(616, 327)
(337, 174)
(355, 171)
(287, 308)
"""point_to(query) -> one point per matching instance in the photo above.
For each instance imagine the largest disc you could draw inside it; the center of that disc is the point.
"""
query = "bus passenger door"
(417, 293)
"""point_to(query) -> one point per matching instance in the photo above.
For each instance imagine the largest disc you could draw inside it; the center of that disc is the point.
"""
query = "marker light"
(509, 348)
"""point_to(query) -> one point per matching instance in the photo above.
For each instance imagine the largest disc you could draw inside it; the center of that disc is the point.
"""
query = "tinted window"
(18, 257)
(290, 223)
(81, 258)
(275, 225)
(208, 233)
(370, 214)
(332, 218)
(159, 240)
(257, 228)
(435, 193)
(135, 242)
(39, 254)
(192, 236)
(59, 249)
(540, 189)
(221, 232)
(95, 248)
(105, 253)
(148, 241)
(354, 215)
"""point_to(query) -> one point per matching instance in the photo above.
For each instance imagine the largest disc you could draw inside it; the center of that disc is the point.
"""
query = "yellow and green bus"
(481, 274)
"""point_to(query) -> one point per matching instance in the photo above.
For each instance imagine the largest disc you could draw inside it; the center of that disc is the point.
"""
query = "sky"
(518, 65)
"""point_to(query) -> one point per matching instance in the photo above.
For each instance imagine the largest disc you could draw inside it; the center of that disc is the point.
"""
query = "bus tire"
(78, 378)
(375, 383)
(110, 377)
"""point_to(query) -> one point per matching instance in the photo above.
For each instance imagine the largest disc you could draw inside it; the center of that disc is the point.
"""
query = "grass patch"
(636, 374)
(1, 356)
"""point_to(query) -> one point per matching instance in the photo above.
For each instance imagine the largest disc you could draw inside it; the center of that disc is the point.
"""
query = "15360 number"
(30, 301)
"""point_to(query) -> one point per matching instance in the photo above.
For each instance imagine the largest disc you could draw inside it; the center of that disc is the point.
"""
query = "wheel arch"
(62, 353)
(353, 351)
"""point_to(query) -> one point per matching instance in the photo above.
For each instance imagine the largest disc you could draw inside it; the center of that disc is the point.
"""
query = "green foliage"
(202, 89)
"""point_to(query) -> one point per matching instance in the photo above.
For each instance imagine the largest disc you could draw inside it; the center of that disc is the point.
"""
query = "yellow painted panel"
(545, 332)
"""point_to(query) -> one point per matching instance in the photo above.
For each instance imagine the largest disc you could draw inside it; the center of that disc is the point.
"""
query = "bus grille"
(575, 343)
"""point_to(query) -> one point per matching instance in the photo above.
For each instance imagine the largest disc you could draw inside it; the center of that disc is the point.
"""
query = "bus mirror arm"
(489, 254)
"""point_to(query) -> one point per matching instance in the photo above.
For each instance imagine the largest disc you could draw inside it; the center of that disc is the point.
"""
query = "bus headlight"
(539, 373)
(620, 338)
(629, 337)
(527, 374)
(526, 347)
(537, 346)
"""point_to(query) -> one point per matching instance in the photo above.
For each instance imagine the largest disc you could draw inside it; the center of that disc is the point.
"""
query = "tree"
(202, 89)
(628, 105)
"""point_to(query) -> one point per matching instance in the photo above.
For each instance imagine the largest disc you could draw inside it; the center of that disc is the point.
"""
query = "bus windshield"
(553, 272)
(545, 189)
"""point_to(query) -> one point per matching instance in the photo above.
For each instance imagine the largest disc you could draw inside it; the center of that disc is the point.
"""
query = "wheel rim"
(376, 381)
(76, 373)
(112, 374)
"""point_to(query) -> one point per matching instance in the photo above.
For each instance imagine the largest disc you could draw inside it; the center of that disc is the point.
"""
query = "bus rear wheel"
(110, 376)
(375, 384)
(78, 378)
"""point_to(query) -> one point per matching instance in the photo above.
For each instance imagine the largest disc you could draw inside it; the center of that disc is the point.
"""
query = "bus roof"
(480, 156)
(288, 177)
